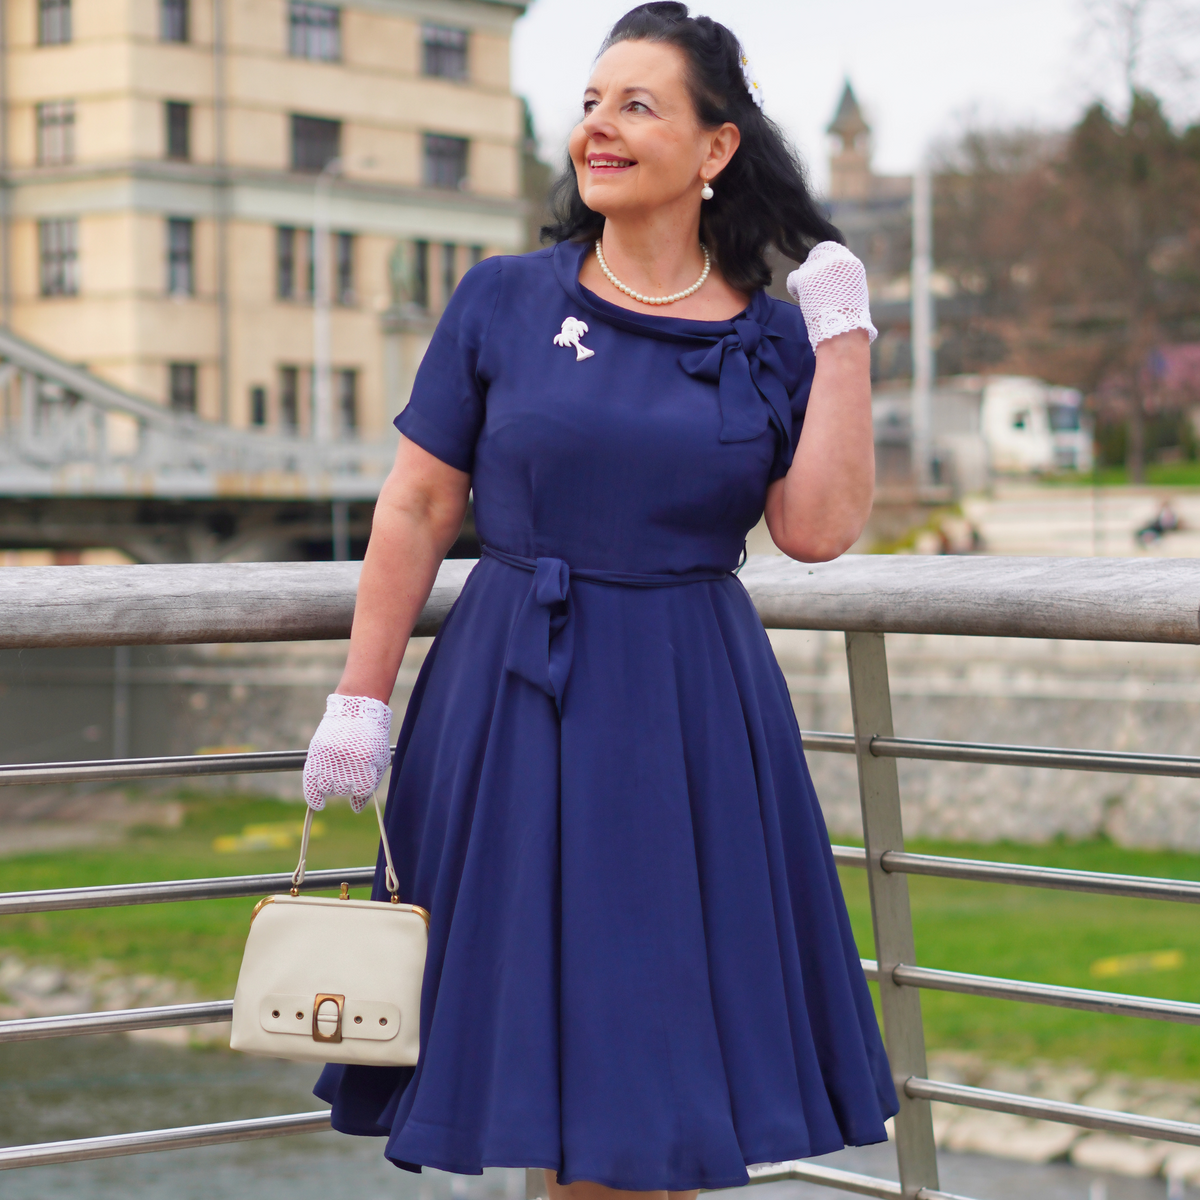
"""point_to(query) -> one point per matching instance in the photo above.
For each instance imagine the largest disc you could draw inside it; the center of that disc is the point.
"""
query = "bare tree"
(1145, 183)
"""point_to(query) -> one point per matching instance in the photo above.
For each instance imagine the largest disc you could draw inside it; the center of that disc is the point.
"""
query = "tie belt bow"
(542, 642)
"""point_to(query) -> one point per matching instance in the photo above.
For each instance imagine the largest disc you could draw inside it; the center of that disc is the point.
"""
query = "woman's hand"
(349, 752)
(831, 288)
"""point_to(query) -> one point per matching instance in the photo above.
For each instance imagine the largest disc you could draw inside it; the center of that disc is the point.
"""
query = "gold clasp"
(344, 894)
(319, 999)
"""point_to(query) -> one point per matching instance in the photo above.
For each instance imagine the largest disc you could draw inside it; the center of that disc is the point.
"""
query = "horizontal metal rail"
(119, 894)
(118, 1020)
(1040, 1109)
(1111, 1003)
(114, 895)
(844, 1181)
(184, 1137)
(1179, 765)
(95, 770)
(1143, 887)
(28, 1029)
(183, 765)
(224, 1132)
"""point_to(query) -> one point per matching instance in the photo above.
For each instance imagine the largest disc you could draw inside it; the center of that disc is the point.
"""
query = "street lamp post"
(923, 320)
(322, 423)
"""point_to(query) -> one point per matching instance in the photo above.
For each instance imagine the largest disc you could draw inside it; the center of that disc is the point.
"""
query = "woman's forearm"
(818, 509)
(417, 517)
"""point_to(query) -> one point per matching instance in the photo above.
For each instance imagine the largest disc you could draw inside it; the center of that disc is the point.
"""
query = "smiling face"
(640, 145)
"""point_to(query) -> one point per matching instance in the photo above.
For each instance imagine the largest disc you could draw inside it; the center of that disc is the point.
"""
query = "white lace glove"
(349, 752)
(831, 288)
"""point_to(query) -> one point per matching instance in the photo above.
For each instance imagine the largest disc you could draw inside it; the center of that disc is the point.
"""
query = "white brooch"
(572, 330)
(752, 84)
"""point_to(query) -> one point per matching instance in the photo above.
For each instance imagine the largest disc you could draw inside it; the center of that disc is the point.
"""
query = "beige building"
(165, 163)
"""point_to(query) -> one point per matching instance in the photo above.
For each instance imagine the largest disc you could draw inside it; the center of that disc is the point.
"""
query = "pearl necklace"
(654, 299)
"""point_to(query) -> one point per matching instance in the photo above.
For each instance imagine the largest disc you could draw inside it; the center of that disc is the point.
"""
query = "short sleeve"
(800, 362)
(445, 413)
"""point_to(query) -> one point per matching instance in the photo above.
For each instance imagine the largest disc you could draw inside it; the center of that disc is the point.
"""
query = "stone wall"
(58, 705)
(1104, 696)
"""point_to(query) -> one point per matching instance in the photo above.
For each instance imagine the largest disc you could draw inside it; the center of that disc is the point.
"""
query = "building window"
(315, 142)
(310, 264)
(173, 20)
(476, 255)
(445, 51)
(445, 161)
(56, 132)
(289, 399)
(347, 401)
(449, 271)
(344, 251)
(180, 239)
(183, 387)
(179, 129)
(285, 262)
(258, 406)
(58, 246)
(314, 31)
(420, 276)
(54, 22)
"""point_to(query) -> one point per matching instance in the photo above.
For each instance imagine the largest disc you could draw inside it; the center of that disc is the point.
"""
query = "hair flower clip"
(752, 84)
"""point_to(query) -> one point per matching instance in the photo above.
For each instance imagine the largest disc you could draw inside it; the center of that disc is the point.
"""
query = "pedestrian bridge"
(66, 432)
(867, 597)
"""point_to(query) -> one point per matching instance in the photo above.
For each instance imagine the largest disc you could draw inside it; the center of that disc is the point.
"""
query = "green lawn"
(1176, 474)
(1022, 933)
(1051, 937)
(198, 940)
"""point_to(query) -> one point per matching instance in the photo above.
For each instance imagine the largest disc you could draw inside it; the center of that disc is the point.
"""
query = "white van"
(1030, 426)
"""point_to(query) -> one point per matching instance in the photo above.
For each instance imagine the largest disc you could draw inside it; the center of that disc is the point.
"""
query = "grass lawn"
(1022, 933)
(1175, 474)
(197, 940)
(1052, 937)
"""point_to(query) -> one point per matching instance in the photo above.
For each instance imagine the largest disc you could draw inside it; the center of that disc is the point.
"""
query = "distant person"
(640, 975)
(1165, 521)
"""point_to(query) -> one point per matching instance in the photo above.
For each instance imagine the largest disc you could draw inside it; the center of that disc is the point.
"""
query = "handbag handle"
(390, 878)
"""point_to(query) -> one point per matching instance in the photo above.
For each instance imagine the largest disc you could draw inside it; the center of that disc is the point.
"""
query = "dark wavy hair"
(762, 197)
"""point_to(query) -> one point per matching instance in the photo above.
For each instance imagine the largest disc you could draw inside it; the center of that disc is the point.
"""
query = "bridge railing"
(65, 431)
(865, 597)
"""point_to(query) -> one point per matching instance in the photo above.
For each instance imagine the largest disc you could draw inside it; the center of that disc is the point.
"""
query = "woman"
(640, 972)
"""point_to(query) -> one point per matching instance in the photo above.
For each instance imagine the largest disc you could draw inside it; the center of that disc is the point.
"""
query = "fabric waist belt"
(542, 642)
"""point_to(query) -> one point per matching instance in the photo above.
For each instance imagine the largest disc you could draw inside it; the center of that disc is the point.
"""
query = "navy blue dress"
(640, 968)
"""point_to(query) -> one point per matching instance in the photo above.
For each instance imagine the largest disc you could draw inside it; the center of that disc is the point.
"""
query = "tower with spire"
(850, 159)
(874, 214)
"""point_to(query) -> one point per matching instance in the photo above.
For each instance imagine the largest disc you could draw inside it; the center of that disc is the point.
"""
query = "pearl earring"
(706, 192)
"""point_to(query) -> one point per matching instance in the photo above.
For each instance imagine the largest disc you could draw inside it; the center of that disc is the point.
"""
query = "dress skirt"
(640, 969)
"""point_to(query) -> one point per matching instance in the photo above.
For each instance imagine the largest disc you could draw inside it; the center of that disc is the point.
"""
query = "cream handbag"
(332, 980)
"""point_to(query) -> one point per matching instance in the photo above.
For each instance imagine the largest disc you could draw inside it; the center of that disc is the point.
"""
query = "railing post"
(879, 792)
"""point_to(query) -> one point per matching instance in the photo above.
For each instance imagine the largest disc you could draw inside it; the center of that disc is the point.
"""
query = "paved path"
(1080, 521)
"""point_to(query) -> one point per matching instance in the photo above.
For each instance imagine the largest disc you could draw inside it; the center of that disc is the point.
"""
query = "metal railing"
(1118, 600)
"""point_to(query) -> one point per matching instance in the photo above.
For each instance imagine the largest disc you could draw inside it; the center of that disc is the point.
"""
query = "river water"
(84, 1087)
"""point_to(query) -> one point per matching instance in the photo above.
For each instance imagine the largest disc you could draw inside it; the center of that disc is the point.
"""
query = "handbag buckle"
(318, 1001)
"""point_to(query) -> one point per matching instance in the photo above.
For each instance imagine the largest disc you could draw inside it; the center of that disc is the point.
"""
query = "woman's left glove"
(831, 288)
(349, 752)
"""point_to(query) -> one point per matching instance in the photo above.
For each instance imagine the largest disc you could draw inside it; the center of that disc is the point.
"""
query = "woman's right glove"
(349, 752)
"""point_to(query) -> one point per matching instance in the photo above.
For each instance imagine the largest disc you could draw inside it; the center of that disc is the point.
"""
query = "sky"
(922, 69)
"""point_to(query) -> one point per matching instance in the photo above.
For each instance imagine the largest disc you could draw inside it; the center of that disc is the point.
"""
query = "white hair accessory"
(752, 84)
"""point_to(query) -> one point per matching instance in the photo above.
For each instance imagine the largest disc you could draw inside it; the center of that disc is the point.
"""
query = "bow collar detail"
(753, 381)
